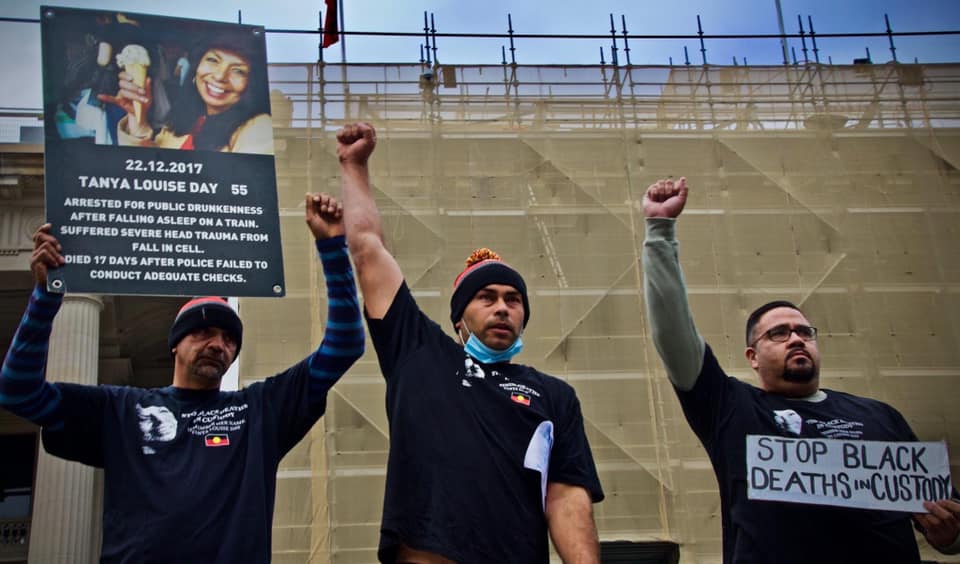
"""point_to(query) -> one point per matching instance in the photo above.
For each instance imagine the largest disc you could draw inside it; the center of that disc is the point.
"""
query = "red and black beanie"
(484, 267)
(208, 311)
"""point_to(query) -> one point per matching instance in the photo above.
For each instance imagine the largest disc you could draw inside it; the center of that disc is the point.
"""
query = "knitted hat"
(484, 267)
(208, 311)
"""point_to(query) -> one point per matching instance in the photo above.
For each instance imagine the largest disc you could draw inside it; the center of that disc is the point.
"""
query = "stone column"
(63, 527)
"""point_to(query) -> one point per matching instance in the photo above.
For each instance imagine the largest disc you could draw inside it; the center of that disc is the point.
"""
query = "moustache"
(799, 350)
(215, 358)
(500, 325)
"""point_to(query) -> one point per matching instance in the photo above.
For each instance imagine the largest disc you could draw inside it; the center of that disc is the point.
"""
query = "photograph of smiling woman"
(216, 129)
(223, 105)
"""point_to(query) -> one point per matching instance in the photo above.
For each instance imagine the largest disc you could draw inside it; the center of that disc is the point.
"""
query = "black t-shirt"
(189, 475)
(723, 410)
(465, 439)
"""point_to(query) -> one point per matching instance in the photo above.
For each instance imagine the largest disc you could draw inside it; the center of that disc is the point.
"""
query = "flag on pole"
(330, 32)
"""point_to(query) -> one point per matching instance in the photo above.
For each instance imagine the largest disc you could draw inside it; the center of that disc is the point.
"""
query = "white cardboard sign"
(896, 476)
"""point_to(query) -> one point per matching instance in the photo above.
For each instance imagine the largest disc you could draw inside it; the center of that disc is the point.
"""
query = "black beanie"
(485, 267)
(209, 311)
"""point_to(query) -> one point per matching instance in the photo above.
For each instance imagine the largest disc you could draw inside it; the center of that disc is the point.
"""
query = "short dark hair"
(758, 313)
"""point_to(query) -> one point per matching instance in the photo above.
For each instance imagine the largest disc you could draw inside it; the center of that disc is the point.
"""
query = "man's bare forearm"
(569, 513)
(361, 215)
(378, 273)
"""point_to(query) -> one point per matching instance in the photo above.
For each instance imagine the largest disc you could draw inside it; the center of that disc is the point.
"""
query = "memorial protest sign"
(159, 167)
(896, 476)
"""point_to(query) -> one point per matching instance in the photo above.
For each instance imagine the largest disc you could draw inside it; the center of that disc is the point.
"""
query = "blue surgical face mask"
(488, 355)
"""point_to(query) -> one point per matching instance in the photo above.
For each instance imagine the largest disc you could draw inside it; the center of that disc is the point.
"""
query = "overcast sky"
(21, 41)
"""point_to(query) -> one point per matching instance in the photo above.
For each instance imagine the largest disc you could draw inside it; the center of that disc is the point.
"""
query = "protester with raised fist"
(782, 348)
(486, 455)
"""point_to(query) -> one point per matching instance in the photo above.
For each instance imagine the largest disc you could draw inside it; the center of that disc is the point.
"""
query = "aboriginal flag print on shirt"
(217, 440)
(520, 398)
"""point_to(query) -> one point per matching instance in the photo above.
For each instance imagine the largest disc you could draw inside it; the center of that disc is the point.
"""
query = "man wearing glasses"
(722, 411)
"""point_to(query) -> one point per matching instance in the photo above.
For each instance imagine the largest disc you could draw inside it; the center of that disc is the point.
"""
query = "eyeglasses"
(781, 333)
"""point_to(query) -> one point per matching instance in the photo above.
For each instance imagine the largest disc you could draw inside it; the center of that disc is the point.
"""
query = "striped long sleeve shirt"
(25, 391)
(343, 339)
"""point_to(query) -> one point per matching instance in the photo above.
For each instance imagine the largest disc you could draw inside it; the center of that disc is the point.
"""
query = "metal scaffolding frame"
(561, 98)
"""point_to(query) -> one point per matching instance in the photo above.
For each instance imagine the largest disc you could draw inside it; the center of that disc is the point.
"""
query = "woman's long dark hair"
(217, 129)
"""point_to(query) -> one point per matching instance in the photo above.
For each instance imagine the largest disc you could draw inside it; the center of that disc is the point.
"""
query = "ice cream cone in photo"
(138, 74)
(134, 60)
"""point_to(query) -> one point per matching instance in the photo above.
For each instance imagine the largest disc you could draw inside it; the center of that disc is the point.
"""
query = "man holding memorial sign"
(787, 418)
(189, 470)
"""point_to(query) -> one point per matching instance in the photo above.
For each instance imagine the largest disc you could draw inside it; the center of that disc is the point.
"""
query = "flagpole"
(343, 61)
(343, 38)
(783, 36)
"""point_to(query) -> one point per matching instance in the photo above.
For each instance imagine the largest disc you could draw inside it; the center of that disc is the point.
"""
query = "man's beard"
(209, 370)
(801, 375)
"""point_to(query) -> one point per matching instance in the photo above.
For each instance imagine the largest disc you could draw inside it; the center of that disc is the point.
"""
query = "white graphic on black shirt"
(519, 388)
(157, 423)
(788, 421)
(838, 428)
(471, 370)
(221, 420)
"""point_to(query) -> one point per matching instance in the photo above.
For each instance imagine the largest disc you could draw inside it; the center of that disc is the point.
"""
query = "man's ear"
(751, 355)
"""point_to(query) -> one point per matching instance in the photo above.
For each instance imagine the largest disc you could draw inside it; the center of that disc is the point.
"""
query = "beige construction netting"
(833, 186)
